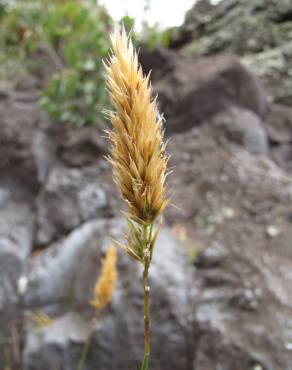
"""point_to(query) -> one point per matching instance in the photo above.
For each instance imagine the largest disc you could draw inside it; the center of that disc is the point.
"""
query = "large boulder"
(235, 26)
(72, 267)
(258, 30)
(235, 216)
(195, 89)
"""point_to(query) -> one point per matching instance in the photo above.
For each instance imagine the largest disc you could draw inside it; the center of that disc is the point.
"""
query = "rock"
(70, 197)
(279, 124)
(27, 150)
(235, 326)
(241, 295)
(279, 127)
(274, 69)
(242, 127)
(282, 154)
(16, 240)
(234, 26)
(75, 264)
(57, 346)
(196, 17)
(82, 146)
(205, 87)
(53, 272)
(259, 31)
(228, 305)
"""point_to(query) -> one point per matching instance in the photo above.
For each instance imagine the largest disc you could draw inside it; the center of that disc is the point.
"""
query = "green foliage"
(150, 37)
(193, 250)
(63, 43)
(68, 38)
(153, 36)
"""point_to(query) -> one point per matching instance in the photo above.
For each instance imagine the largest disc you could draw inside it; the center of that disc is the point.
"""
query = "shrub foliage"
(62, 44)
(68, 39)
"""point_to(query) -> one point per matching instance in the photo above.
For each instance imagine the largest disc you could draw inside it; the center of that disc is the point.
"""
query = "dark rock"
(27, 151)
(279, 127)
(278, 123)
(159, 62)
(257, 30)
(282, 154)
(204, 87)
(82, 146)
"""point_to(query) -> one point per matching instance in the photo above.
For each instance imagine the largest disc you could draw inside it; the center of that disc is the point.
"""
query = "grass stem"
(146, 287)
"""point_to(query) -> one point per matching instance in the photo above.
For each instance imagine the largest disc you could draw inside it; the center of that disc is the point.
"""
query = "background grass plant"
(102, 296)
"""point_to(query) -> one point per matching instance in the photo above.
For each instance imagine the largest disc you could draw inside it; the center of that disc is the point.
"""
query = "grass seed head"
(105, 284)
(137, 153)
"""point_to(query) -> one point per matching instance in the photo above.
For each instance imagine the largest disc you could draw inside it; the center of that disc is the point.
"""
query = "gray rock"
(52, 274)
(70, 197)
(56, 346)
(238, 311)
(274, 69)
(117, 342)
(16, 239)
(279, 124)
(243, 127)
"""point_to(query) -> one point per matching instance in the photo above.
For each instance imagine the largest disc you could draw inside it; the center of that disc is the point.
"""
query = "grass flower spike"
(103, 291)
(137, 156)
(105, 284)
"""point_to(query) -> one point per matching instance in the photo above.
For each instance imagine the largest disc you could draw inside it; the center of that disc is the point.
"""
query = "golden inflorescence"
(137, 153)
(105, 284)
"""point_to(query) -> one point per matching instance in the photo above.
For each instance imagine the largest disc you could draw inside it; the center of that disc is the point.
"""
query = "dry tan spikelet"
(138, 153)
(105, 284)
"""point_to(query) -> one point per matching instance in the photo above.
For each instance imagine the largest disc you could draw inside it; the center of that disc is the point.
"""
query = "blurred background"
(221, 279)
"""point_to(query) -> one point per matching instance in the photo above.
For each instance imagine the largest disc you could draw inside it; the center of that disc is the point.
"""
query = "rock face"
(118, 336)
(221, 275)
(240, 221)
(258, 30)
(238, 311)
(69, 198)
(203, 87)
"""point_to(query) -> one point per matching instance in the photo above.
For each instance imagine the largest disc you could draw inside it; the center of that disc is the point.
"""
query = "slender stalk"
(139, 161)
(84, 354)
(146, 316)
(147, 259)
(86, 347)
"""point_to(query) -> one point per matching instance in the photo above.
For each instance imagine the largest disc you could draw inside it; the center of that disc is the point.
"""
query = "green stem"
(146, 287)
(86, 346)
(147, 238)
(84, 354)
